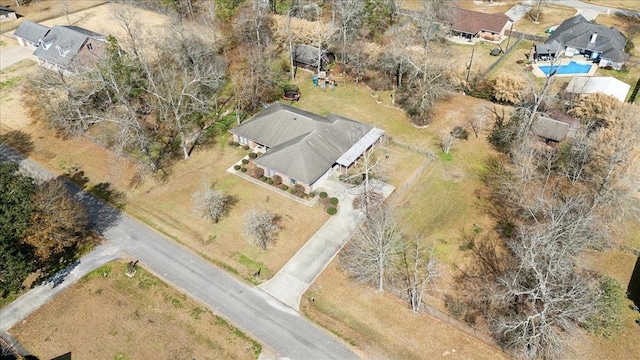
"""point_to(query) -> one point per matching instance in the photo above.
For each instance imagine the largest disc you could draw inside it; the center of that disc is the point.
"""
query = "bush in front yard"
(253, 155)
(264, 178)
(258, 172)
(323, 195)
(270, 181)
(277, 180)
(245, 161)
(246, 147)
(298, 190)
(285, 187)
(244, 169)
(235, 143)
(332, 211)
(333, 201)
(236, 167)
(312, 195)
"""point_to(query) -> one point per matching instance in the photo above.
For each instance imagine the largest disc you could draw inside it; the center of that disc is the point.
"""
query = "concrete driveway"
(260, 315)
(12, 54)
(291, 282)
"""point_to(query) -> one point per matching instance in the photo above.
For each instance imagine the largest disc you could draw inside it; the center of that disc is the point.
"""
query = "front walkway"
(291, 282)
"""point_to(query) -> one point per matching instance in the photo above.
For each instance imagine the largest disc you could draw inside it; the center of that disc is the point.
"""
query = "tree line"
(42, 228)
(157, 95)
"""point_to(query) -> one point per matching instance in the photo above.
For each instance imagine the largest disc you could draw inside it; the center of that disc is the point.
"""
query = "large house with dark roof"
(577, 36)
(67, 48)
(469, 24)
(302, 147)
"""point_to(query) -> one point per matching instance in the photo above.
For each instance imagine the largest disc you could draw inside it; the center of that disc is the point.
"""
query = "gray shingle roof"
(31, 31)
(306, 54)
(4, 10)
(551, 129)
(576, 32)
(61, 44)
(302, 145)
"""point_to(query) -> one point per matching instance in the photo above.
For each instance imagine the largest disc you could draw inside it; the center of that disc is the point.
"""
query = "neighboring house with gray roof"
(577, 36)
(67, 48)
(29, 33)
(7, 14)
(302, 147)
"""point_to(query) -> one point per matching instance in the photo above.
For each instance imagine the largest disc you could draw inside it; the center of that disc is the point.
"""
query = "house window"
(292, 181)
(271, 173)
(243, 140)
(90, 46)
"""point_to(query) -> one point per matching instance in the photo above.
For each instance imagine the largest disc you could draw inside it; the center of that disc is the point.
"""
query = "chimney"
(594, 37)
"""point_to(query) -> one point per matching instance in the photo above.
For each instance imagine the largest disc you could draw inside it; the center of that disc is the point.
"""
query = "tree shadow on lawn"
(18, 140)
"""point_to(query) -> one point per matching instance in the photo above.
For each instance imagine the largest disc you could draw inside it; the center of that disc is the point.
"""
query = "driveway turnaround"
(257, 313)
(290, 283)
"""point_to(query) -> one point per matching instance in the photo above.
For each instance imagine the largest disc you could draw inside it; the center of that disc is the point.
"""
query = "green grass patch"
(9, 83)
(99, 272)
(445, 157)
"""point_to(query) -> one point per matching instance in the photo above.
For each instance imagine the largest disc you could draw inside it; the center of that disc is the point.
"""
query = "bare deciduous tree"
(373, 253)
(262, 227)
(210, 203)
(422, 271)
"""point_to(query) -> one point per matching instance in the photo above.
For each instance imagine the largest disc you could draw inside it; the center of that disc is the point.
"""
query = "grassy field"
(619, 4)
(550, 15)
(475, 5)
(38, 11)
(117, 317)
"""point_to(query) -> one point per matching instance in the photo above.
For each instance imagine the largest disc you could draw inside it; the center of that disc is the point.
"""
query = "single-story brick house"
(302, 147)
(469, 24)
(67, 48)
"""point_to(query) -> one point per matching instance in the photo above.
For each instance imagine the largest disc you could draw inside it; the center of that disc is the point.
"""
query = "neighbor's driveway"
(261, 316)
(290, 283)
(12, 54)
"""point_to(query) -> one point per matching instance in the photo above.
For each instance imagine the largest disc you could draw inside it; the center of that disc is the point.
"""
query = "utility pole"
(470, 62)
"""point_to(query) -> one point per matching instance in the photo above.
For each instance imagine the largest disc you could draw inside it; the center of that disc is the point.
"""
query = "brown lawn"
(619, 4)
(38, 11)
(117, 317)
(498, 6)
(550, 15)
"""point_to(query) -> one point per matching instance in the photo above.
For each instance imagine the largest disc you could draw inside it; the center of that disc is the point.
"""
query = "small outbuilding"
(551, 130)
(607, 85)
(307, 56)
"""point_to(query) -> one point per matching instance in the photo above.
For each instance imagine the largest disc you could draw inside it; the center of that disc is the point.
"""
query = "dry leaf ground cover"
(117, 317)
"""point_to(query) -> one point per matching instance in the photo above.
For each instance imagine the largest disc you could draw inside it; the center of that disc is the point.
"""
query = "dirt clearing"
(117, 317)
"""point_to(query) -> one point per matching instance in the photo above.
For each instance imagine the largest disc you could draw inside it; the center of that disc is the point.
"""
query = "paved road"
(251, 309)
(295, 277)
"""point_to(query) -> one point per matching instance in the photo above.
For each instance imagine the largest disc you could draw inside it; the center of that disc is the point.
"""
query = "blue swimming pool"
(571, 68)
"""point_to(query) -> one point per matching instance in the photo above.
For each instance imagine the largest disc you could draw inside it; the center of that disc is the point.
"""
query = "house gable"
(30, 32)
(61, 45)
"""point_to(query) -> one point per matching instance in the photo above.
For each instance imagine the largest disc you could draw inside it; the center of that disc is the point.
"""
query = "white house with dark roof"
(67, 48)
(303, 147)
(577, 36)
